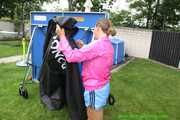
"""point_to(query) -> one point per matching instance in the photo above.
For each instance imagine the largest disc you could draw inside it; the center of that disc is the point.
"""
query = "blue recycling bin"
(119, 52)
(39, 22)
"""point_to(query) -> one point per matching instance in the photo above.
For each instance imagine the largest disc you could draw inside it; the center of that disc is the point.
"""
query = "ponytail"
(111, 31)
(106, 27)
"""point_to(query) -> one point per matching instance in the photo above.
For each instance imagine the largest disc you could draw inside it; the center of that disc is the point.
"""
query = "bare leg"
(94, 114)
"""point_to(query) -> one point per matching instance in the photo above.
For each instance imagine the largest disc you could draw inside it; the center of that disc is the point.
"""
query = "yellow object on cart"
(24, 47)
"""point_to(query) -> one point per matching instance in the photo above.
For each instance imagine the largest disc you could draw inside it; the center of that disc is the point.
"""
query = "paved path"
(122, 65)
(10, 59)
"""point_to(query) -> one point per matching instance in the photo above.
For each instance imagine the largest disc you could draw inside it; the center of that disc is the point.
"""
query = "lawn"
(10, 48)
(143, 91)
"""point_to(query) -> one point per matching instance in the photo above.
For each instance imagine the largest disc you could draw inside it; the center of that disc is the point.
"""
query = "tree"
(7, 8)
(19, 10)
(23, 9)
(159, 14)
(13, 8)
(122, 18)
(144, 10)
(156, 13)
(78, 5)
(168, 16)
(70, 5)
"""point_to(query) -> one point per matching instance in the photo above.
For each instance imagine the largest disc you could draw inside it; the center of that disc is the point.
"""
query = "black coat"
(60, 82)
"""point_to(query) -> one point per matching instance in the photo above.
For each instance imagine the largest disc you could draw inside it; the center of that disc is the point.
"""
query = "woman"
(97, 58)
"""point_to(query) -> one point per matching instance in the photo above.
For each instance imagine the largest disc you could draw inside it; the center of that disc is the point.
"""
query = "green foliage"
(122, 18)
(14, 8)
(7, 8)
(168, 17)
(158, 14)
(19, 10)
(78, 5)
(145, 10)
(97, 5)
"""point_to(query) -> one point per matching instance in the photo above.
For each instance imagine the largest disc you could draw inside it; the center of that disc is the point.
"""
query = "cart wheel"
(20, 90)
(111, 99)
(23, 92)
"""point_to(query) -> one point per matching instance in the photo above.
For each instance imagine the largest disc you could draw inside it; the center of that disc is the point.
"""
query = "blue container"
(86, 22)
(37, 50)
(119, 53)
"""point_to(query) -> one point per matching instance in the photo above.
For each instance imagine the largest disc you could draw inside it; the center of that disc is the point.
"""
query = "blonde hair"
(106, 26)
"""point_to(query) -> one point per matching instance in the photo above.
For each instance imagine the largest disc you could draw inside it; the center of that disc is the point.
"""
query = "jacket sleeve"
(87, 52)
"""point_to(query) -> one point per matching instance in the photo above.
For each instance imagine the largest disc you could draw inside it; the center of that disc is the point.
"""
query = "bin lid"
(116, 40)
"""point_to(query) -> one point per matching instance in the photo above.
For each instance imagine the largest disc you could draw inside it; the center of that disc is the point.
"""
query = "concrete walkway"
(10, 59)
(116, 69)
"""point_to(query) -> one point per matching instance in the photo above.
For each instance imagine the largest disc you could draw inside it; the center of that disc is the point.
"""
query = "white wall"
(7, 26)
(137, 41)
(7, 30)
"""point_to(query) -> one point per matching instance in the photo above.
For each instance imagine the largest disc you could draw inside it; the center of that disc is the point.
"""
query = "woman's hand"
(60, 31)
(79, 43)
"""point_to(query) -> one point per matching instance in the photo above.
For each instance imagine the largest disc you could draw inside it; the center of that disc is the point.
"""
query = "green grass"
(10, 48)
(13, 107)
(143, 91)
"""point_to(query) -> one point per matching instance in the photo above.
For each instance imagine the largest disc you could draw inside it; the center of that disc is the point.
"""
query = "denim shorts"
(97, 99)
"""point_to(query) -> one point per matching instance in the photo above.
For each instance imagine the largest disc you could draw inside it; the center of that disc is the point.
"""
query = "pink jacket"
(97, 58)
